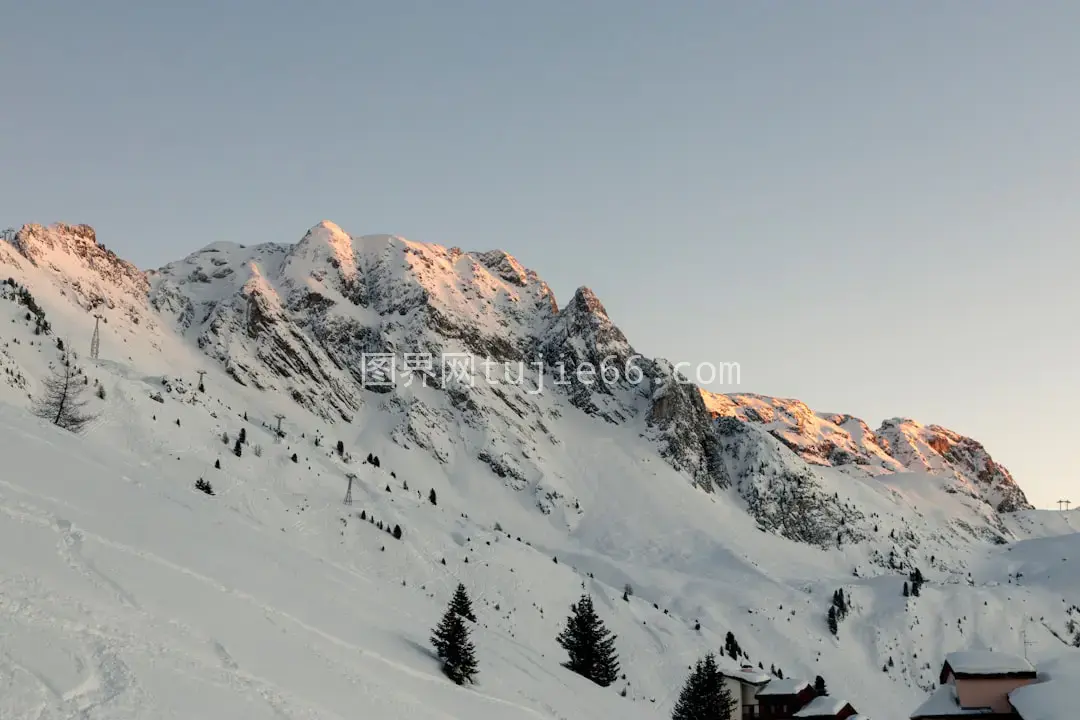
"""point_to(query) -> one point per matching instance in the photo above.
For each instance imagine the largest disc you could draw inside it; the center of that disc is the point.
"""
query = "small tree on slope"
(590, 645)
(61, 401)
(453, 646)
(819, 686)
(461, 604)
(705, 696)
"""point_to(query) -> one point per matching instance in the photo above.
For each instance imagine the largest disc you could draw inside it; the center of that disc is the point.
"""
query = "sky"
(868, 206)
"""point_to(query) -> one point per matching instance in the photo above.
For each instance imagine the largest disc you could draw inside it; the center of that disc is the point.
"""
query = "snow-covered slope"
(272, 598)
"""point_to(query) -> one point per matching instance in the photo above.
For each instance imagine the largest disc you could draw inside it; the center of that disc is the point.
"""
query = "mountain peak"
(586, 302)
(327, 243)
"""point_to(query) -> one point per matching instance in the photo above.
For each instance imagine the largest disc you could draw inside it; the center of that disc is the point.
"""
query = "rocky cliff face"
(96, 278)
(306, 320)
(899, 445)
(940, 451)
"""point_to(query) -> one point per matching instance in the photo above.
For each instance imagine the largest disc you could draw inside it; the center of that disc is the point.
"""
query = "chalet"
(782, 698)
(977, 683)
(744, 683)
(824, 707)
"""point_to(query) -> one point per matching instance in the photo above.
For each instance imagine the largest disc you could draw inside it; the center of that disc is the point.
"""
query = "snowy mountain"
(136, 596)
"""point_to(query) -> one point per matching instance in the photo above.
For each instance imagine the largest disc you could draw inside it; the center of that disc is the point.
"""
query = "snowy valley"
(126, 593)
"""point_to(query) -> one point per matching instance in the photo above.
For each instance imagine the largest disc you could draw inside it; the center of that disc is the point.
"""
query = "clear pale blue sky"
(870, 206)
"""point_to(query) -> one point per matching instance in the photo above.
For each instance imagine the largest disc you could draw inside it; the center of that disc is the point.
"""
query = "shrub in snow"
(204, 486)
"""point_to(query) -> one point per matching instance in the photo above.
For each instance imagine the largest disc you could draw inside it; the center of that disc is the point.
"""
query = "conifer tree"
(217, 464)
(832, 620)
(461, 604)
(819, 686)
(61, 401)
(705, 696)
(243, 436)
(590, 645)
(238, 449)
(906, 592)
(431, 497)
(453, 646)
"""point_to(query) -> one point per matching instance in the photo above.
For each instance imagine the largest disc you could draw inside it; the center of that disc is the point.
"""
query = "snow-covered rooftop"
(987, 662)
(785, 686)
(943, 703)
(1054, 696)
(822, 706)
(751, 677)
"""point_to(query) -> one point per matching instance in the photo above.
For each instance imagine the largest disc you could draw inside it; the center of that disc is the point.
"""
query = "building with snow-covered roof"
(984, 664)
(977, 683)
(781, 698)
(824, 707)
(744, 682)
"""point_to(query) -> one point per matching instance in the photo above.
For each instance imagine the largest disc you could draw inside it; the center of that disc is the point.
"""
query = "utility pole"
(279, 419)
(1063, 504)
(95, 342)
(348, 493)
(201, 373)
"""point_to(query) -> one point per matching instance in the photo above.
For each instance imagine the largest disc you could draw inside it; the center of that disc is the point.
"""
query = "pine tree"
(451, 642)
(294, 458)
(217, 464)
(461, 604)
(61, 401)
(819, 686)
(204, 486)
(243, 436)
(906, 593)
(431, 497)
(340, 448)
(832, 621)
(397, 532)
(705, 696)
(590, 645)
(238, 449)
